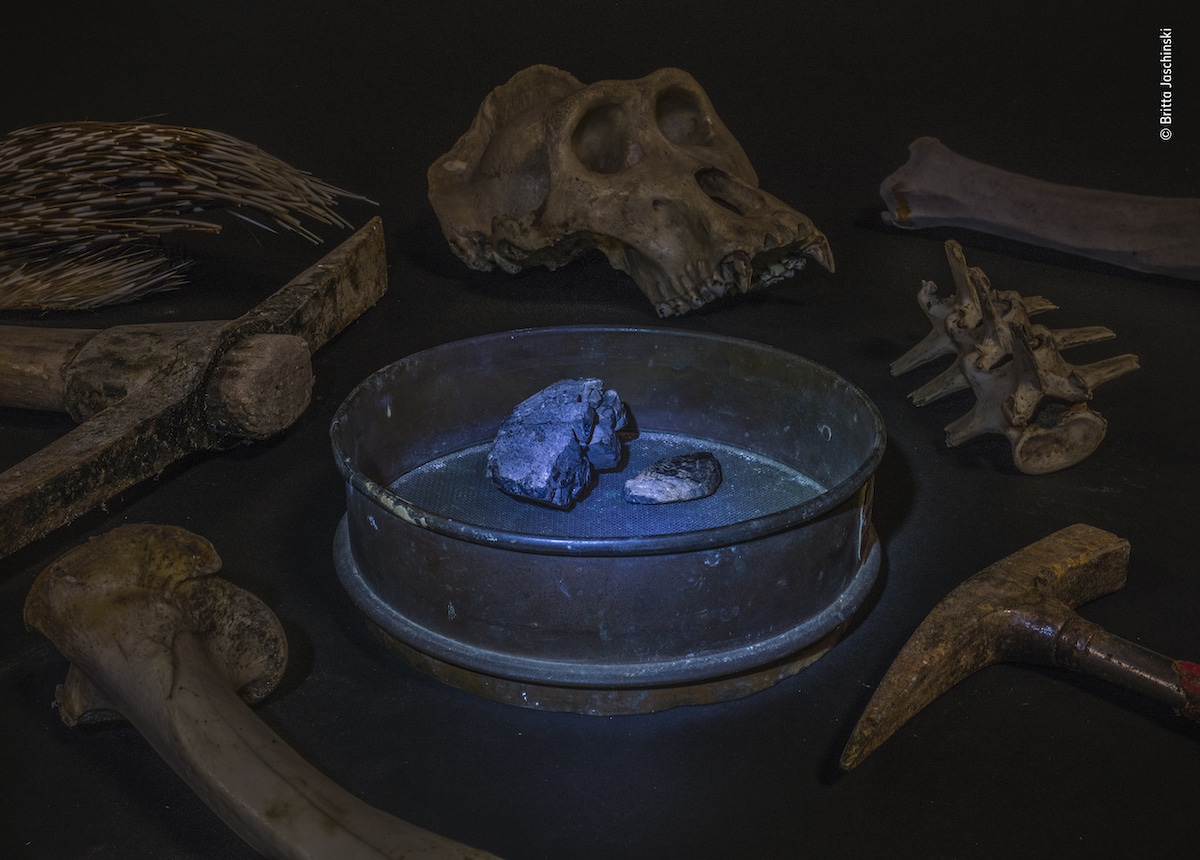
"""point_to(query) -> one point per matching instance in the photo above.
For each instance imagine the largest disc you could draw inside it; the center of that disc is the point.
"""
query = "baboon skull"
(642, 170)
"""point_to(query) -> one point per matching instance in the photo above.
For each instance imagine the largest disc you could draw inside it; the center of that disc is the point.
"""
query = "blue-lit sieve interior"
(456, 486)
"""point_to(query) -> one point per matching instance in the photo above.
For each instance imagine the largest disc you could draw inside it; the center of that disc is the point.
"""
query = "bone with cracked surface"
(155, 636)
(1024, 389)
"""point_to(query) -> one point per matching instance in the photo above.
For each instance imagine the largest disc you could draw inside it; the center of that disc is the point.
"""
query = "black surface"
(824, 98)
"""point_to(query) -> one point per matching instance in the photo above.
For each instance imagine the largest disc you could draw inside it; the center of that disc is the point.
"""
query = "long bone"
(1022, 608)
(937, 187)
(155, 636)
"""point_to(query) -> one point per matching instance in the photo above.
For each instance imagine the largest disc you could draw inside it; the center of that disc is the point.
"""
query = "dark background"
(825, 98)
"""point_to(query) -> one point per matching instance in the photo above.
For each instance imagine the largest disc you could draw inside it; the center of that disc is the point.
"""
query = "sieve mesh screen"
(456, 486)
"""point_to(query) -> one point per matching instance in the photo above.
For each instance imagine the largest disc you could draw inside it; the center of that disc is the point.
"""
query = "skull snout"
(730, 192)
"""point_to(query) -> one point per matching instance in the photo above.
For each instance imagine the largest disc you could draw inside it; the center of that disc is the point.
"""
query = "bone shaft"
(272, 797)
(939, 187)
(947, 382)
(1035, 305)
(933, 345)
(1070, 217)
(1106, 370)
(33, 364)
(1065, 338)
(82, 469)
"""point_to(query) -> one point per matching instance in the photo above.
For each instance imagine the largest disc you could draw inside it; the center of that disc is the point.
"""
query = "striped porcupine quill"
(82, 205)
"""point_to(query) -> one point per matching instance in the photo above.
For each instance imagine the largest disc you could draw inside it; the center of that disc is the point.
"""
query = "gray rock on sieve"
(548, 448)
(680, 478)
(604, 447)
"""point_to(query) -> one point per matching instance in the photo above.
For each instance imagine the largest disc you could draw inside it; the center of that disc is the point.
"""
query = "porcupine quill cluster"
(82, 206)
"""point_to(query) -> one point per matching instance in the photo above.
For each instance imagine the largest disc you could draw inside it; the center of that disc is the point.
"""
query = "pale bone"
(154, 635)
(955, 322)
(940, 188)
(1024, 389)
(643, 170)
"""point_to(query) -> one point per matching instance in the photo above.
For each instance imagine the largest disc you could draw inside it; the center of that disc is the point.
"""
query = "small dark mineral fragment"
(603, 445)
(675, 479)
(548, 447)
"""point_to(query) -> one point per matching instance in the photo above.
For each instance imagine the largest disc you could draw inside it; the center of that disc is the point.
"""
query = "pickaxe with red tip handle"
(1022, 608)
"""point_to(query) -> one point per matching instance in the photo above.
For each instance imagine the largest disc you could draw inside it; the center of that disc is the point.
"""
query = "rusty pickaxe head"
(1022, 608)
(150, 394)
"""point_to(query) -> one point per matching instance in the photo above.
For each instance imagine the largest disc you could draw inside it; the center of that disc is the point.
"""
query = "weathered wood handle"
(150, 394)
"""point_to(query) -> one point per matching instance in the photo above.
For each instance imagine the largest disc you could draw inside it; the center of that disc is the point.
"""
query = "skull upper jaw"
(706, 236)
(734, 255)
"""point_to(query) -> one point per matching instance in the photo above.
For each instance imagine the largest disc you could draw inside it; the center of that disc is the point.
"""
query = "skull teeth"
(737, 273)
(819, 250)
(781, 270)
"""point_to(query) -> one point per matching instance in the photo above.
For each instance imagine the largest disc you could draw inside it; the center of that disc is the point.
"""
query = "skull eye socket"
(682, 118)
(601, 139)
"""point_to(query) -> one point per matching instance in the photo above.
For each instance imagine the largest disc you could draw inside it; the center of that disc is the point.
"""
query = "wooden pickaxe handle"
(149, 395)
(1089, 649)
